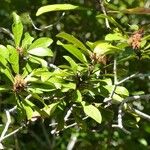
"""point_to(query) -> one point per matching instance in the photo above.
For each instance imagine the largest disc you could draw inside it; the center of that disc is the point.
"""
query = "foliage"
(90, 90)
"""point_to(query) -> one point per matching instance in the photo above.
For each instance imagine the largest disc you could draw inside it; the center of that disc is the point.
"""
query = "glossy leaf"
(4, 52)
(27, 40)
(41, 42)
(8, 73)
(50, 108)
(115, 37)
(74, 51)
(117, 99)
(38, 60)
(78, 96)
(40, 51)
(122, 91)
(17, 29)
(92, 112)
(3, 61)
(73, 64)
(14, 58)
(105, 48)
(57, 7)
(73, 40)
(28, 110)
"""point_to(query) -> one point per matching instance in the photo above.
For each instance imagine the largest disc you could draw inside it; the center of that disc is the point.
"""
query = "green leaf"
(116, 99)
(105, 48)
(73, 40)
(27, 40)
(41, 51)
(73, 64)
(45, 76)
(3, 60)
(68, 86)
(32, 110)
(115, 37)
(57, 7)
(8, 73)
(28, 110)
(41, 42)
(92, 112)
(17, 29)
(50, 108)
(74, 51)
(4, 52)
(78, 96)
(14, 58)
(38, 60)
(122, 91)
(4, 88)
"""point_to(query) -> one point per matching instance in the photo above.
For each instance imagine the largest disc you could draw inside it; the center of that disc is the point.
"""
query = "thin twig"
(66, 127)
(101, 2)
(12, 133)
(127, 78)
(115, 71)
(139, 113)
(46, 27)
(7, 123)
(72, 142)
(108, 100)
(6, 31)
(68, 114)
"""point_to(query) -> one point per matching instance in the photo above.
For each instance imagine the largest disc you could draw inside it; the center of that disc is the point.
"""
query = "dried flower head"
(20, 50)
(19, 83)
(135, 39)
(102, 59)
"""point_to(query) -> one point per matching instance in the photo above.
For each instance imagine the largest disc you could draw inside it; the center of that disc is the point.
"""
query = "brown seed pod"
(102, 59)
(135, 39)
(20, 50)
(19, 83)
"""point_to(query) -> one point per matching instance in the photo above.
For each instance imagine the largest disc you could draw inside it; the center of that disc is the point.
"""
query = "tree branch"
(120, 110)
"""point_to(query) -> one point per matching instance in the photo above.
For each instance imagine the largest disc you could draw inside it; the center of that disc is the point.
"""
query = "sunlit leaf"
(105, 48)
(50, 108)
(73, 40)
(4, 52)
(27, 40)
(14, 58)
(38, 60)
(114, 37)
(41, 51)
(57, 7)
(8, 74)
(17, 29)
(73, 64)
(75, 51)
(41, 42)
(92, 112)
(122, 91)
(116, 99)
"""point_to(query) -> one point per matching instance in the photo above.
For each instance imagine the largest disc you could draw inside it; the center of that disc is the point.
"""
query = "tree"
(82, 83)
